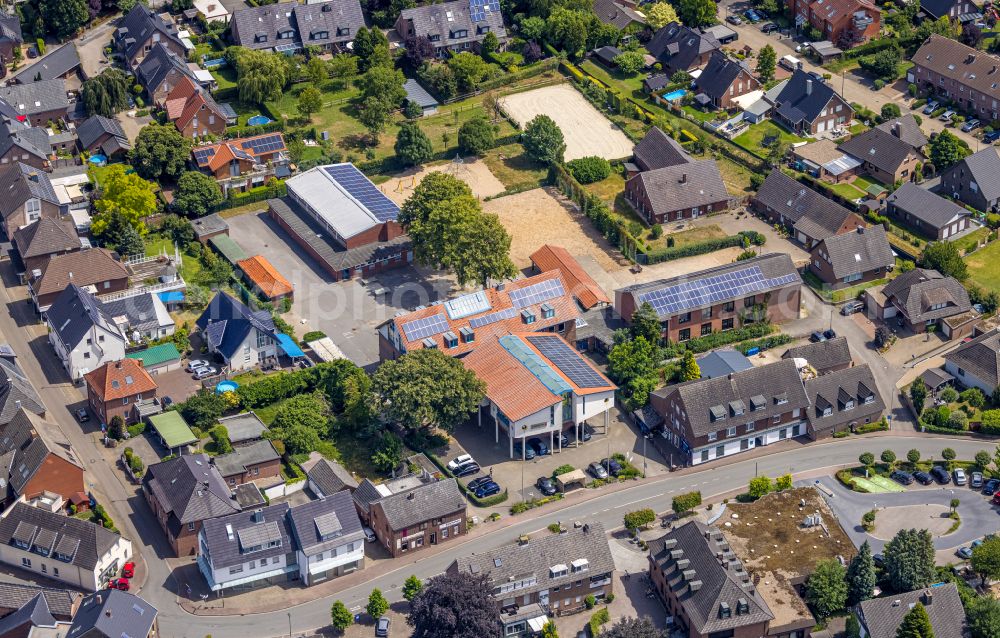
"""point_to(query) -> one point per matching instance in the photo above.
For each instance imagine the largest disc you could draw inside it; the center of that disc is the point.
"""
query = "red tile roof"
(120, 379)
(185, 101)
(265, 276)
(226, 152)
(582, 286)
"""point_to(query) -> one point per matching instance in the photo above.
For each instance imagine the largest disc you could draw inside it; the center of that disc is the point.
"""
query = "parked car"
(769, 27)
(996, 498)
(597, 470)
(976, 543)
(959, 476)
(830, 334)
(459, 461)
(734, 20)
(976, 480)
(538, 446)
(119, 583)
(852, 307)
(816, 337)
(207, 371)
(545, 486)
(613, 467)
(941, 475)
(475, 483)
(128, 569)
(931, 107)
(752, 16)
(82, 415)
(369, 534)
(487, 489)
(947, 115)
(585, 434)
(166, 402)
(563, 440)
(964, 552)
(382, 627)
(528, 453)
(991, 487)
(904, 478)
(194, 364)
(922, 477)
(467, 470)
(971, 125)
(992, 136)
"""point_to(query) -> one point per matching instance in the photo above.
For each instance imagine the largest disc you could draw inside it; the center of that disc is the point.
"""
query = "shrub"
(313, 335)
(990, 420)
(949, 395)
(562, 469)
(555, 528)
(590, 601)
(759, 486)
(974, 397)
(639, 518)
(684, 503)
(588, 170)
(656, 231)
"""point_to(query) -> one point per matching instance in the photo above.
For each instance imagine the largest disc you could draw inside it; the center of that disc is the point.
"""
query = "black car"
(922, 477)
(830, 334)
(816, 337)
(585, 433)
(538, 446)
(563, 440)
(166, 402)
(878, 559)
(467, 470)
(546, 486)
(991, 487)
(769, 27)
(941, 475)
(487, 489)
(476, 483)
(992, 136)
(613, 467)
(901, 477)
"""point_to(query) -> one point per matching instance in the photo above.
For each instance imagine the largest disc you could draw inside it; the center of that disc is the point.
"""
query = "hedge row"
(252, 196)
(702, 247)
(683, 503)
(393, 165)
(282, 385)
(249, 131)
(719, 339)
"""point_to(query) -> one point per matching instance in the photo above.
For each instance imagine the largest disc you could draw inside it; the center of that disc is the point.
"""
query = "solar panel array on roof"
(703, 292)
(537, 293)
(360, 188)
(567, 360)
(266, 144)
(202, 155)
(467, 305)
(425, 327)
(479, 9)
(530, 360)
(493, 317)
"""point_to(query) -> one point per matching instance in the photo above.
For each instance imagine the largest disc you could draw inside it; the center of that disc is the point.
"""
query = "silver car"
(208, 371)
(597, 470)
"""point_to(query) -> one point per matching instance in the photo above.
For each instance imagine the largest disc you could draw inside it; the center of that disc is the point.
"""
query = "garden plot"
(586, 130)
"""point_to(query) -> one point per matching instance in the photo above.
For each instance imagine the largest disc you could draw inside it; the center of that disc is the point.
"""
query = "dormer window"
(468, 334)
(827, 411)
(580, 565)
(548, 311)
(781, 399)
(434, 37)
(341, 31)
(527, 316)
(558, 571)
(483, 28)
(717, 413)
(458, 34)
(319, 35)
(450, 339)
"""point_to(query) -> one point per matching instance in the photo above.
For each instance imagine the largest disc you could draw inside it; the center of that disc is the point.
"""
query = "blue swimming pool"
(258, 120)
(673, 96)
(226, 386)
(98, 159)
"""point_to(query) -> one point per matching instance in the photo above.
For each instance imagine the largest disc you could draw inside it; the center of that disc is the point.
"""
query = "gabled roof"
(449, 17)
(823, 355)
(245, 456)
(845, 394)
(119, 379)
(918, 290)
(137, 27)
(34, 613)
(343, 198)
(938, 8)
(74, 312)
(226, 322)
(683, 186)
(979, 357)
(808, 211)
(582, 286)
(265, 276)
(905, 128)
(678, 47)
(803, 98)
(688, 555)
(83, 542)
(778, 383)
(36, 97)
(719, 74)
(30, 139)
(141, 312)
(719, 363)
(96, 126)
(227, 535)
(331, 477)
(55, 64)
(84, 268)
(16, 392)
(658, 150)
(215, 156)
(881, 149)
(883, 616)
(984, 169)
(418, 95)
(19, 183)
(326, 523)
(60, 602)
(956, 61)
(427, 501)
(861, 251)
(113, 613)
(259, 27)
(186, 100)
(190, 489)
(156, 64)
(10, 28)
(616, 14)
(26, 443)
(45, 237)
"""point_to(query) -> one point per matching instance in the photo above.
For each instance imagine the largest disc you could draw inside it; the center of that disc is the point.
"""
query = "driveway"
(91, 48)
(345, 310)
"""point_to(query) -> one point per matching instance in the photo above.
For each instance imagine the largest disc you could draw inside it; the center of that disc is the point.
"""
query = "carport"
(173, 431)
(570, 480)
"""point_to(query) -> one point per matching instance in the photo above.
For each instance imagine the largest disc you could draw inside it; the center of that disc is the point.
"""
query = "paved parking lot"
(346, 311)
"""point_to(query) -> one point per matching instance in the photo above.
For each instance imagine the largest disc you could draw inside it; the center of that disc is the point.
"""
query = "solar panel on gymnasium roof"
(493, 317)
(701, 292)
(567, 360)
(361, 189)
(536, 293)
(425, 327)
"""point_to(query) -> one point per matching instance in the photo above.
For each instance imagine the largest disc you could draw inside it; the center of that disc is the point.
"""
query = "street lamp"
(289, 624)
(524, 454)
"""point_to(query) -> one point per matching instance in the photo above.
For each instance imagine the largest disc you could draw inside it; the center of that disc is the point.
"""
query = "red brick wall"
(12, 223)
(749, 83)
(270, 469)
(388, 536)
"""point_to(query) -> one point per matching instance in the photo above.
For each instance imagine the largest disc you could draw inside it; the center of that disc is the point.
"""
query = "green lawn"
(847, 191)
(632, 85)
(969, 242)
(608, 188)
(754, 137)
(983, 268)
(877, 485)
(698, 114)
(157, 245)
(225, 77)
(513, 167)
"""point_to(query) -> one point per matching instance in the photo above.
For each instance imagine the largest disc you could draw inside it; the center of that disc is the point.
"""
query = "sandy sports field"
(537, 217)
(586, 130)
(472, 171)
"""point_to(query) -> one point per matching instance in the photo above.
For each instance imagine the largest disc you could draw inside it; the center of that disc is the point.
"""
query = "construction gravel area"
(586, 130)
(472, 171)
(544, 216)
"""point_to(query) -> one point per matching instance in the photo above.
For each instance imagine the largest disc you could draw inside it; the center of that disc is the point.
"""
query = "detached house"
(680, 48)
(882, 617)
(140, 30)
(683, 191)
(849, 258)
(160, 71)
(658, 150)
(82, 334)
(975, 180)
(113, 614)
(116, 388)
(810, 106)
(453, 26)
(36, 458)
(845, 23)
(28, 197)
(99, 134)
(931, 215)
(245, 162)
(723, 80)
(244, 338)
(708, 419)
(193, 111)
(921, 298)
(809, 216)
(976, 363)
(883, 155)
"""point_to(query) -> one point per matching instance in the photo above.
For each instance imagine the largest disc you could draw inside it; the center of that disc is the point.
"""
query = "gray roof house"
(244, 458)
(881, 617)
(61, 603)
(658, 150)
(104, 134)
(327, 477)
(883, 154)
(21, 139)
(452, 25)
(825, 356)
(114, 614)
(44, 99)
(804, 102)
(56, 64)
(976, 363)
(856, 256)
(244, 427)
(811, 216)
(843, 399)
(618, 14)
(261, 537)
(905, 128)
(924, 296)
(931, 214)
(16, 391)
(723, 78)
(975, 180)
(418, 95)
(681, 48)
(329, 540)
(290, 26)
(720, 363)
(33, 614)
(710, 595)
(139, 31)
(678, 191)
(161, 70)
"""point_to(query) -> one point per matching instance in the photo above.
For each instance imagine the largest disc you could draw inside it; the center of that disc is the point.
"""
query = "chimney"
(258, 515)
(409, 496)
(861, 230)
(684, 178)
(107, 612)
(118, 364)
(927, 598)
(897, 128)
(809, 87)
(99, 599)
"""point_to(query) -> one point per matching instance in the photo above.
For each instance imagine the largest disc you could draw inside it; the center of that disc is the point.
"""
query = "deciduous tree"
(63, 18)
(543, 140)
(631, 365)
(419, 49)
(340, 616)
(160, 151)
(766, 63)
(123, 197)
(629, 62)
(456, 606)
(918, 394)
(646, 323)
(696, 13)
(986, 559)
(412, 587)
(633, 628)
(260, 75)
(660, 14)
(476, 136)
(413, 147)
(317, 71)
(943, 256)
(947, 149)
(196, 195)
(469, 70)
(310, 100)
(826, 590)
(377, 604)
(983, 613)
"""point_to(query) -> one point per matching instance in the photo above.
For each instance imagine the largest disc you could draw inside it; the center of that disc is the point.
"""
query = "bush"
(684, 503)
(601, 617)
(562, 469)
(588, 170)
(949, 395)
(313, 335)
(990, 422)
(639, 518)
(974, 397)
(590, 601)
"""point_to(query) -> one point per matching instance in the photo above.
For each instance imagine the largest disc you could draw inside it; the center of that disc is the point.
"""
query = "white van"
(790, 62)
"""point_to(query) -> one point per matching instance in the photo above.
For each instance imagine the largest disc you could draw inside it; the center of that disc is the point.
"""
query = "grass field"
(630, 83)
(685, 237)
(157, 245)
(513, 167)
(969, 242)
(754, 137)
(847, 191)
(983, 268)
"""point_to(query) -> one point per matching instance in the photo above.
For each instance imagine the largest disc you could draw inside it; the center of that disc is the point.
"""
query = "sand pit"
(472, 171)
(586, 130)
(536, 217)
